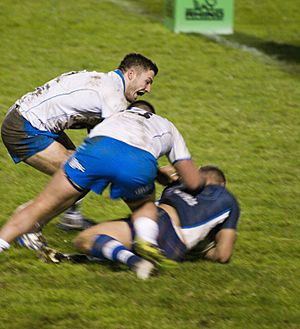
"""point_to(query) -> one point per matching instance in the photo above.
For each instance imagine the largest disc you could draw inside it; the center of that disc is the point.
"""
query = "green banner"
(200, 16)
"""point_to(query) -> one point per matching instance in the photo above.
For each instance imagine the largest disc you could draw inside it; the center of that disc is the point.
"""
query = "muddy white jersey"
(74, 99)
(146, 131)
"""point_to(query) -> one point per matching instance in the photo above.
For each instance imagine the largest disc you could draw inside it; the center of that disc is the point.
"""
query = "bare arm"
(190, 174)
(223, 249)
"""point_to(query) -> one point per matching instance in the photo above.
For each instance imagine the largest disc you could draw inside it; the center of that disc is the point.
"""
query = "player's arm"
(224, 244)
(179, 156)
(189, 174)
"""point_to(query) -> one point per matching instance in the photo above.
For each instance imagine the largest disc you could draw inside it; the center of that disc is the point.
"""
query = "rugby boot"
(74, 221)
(144, 269)
(153, 253)
(33, 240)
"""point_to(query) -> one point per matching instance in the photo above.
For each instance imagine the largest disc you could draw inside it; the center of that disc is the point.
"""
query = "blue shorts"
(22, 140)
(101, 161)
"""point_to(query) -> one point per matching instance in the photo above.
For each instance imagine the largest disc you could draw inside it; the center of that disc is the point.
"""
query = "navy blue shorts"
(102, 161)
(168, 241)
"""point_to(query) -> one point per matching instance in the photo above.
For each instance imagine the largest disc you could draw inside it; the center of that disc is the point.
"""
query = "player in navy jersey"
(33, 130)
(185, 225)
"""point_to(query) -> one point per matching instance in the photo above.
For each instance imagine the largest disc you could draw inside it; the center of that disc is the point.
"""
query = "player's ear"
(130, 73)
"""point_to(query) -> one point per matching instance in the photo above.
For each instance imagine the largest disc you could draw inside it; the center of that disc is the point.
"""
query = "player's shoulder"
(111, 81)
(165, 123)
(226, 193)
(231, 199)
(79, 78)
(216, 193)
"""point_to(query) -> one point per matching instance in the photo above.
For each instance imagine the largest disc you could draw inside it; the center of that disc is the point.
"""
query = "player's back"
(73, 98)
(146, 131)
(199, 214)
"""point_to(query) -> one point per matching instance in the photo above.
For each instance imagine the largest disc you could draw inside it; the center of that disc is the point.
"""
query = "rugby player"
(33, 130)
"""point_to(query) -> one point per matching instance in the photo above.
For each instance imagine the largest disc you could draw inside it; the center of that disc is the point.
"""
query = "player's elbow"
(194, 185)
(223, 260)
(223, 257)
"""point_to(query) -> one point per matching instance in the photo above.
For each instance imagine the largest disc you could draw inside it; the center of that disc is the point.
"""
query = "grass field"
(236, 101)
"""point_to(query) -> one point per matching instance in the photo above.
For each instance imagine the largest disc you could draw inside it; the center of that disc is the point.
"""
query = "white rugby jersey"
(145, 131)
(74, 98)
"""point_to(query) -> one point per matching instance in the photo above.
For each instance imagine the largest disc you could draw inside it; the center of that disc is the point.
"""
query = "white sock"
(3, 245)
(146, 229)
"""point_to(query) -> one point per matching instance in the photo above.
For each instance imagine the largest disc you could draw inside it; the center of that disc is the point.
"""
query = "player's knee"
(82, 243)
(148, 209)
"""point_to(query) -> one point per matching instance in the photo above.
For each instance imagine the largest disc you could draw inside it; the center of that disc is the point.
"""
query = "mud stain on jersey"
(95, 81)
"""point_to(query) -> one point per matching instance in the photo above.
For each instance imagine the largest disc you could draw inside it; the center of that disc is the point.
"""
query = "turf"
(236, 101)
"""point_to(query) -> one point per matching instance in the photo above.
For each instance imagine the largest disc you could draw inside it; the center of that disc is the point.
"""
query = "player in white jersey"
(126, 162)
(34, 128)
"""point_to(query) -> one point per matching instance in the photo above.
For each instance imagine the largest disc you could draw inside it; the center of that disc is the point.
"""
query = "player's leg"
(43, 150)
(48, 161)
(113, 241)
(58, 195)
(148, 227)
(72, 219)
(145, 223)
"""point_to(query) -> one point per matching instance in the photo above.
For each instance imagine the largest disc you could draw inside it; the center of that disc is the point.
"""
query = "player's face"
(139, 83)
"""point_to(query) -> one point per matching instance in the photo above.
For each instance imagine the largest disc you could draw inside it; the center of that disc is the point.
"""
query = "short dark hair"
(144, 105)
(137, 60)
(216, 172)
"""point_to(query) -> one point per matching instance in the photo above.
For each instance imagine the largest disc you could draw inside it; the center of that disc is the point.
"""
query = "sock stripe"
(109, 248)
(116, 251)
(124, 255)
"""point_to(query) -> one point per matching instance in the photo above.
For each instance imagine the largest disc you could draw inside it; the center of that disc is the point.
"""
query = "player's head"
(144, 105)
(139, 72)
(213, 175)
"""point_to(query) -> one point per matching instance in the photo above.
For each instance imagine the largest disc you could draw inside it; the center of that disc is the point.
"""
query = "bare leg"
(145, 223)
(50, 159)
(118, 230)
(58, 195)
(148, 209)
(112, 241)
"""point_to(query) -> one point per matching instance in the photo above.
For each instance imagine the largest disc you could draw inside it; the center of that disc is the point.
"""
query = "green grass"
(237, 104)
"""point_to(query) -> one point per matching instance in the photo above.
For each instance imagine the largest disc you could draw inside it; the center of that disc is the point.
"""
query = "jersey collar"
(121, 76)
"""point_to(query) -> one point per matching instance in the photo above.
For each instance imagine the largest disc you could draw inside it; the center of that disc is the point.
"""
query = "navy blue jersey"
(213, 208)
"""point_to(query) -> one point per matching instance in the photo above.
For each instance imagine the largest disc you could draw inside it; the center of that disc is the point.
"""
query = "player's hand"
(167, 175)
